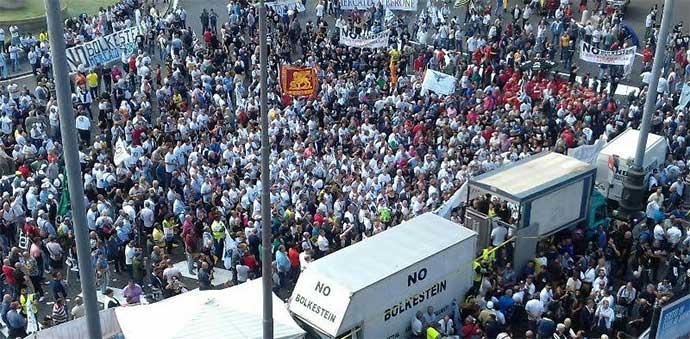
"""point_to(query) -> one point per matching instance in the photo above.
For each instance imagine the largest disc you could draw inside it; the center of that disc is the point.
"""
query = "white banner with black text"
(364, 40)
(102, 50)
(395, 5)
(621, 57)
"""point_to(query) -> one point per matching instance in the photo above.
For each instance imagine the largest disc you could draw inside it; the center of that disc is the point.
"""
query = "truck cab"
(598, 213)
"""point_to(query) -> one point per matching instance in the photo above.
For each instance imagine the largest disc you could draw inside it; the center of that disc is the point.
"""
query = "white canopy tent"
(231, 313)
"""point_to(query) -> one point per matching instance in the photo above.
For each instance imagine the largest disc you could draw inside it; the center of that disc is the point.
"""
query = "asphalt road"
(634, 16)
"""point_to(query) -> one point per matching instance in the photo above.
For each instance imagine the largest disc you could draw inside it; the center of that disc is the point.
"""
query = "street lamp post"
(267, 258)
(633, 185)
(71, 152)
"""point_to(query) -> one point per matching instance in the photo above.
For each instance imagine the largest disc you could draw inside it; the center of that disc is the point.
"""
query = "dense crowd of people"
(170, 149)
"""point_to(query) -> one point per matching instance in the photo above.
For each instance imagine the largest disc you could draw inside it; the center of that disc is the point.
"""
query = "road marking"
(622, 90)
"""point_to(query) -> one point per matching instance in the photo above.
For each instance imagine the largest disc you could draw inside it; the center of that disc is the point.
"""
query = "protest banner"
(367, 40)
(298, 81)
(438, 82)
(103, 49)
(395, 5)
(282, 6)
(619, 57)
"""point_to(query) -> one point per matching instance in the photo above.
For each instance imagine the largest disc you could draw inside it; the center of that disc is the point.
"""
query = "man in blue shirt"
(16, 322)
(283, 263)
(5, 307)
(505, 301)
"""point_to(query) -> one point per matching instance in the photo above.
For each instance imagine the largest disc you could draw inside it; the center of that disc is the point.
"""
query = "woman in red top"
(250, 261)
(293, 255)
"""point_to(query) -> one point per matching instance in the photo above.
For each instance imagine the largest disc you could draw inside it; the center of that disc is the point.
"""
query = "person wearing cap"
(485, 314)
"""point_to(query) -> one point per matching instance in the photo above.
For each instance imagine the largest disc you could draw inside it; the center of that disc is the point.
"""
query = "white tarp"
(396, 5)
(102, 50)
(621, 57)
(232, 313)
(366, 40)
(587, 153)
(282, 6)
(458, 198)
(77, 329)
(438, 82)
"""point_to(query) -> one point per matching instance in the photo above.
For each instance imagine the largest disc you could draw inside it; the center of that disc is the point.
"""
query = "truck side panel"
(386, 309)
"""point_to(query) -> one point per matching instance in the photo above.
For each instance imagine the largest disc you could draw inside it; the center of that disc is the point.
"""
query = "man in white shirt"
(659, 233)
(242, 273)
(534, 309)
(322, 242)
(674, 234)
(130, 252)
(605, 315)
(601, 277)
(146, 215)
(447, 326)
(546, 295)
(498, 234)
(416, 326)
(319, 11)
(91, 216)
(657, 196)
(83, 124)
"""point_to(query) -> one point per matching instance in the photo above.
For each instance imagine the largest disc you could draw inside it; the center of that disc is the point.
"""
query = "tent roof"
(531, 175)
(362, 264)
(232, 313)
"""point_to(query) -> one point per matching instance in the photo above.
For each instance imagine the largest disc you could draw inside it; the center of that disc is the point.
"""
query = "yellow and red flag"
(298, 81)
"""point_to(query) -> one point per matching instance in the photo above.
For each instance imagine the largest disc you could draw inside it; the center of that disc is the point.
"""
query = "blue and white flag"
(438, 82)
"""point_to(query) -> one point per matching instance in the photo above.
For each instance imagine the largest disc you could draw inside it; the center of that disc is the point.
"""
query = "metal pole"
(650, 102)
(71, 151)
(633, 185)
(267, 258)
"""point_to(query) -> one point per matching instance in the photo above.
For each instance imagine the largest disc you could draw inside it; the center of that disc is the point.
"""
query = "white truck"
(373, 289)
(617, 156)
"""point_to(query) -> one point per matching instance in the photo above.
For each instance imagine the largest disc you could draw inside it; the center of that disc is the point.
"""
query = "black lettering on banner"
(322, 288)
(416, 276)
(414, 300)
(75, 57)
(316, 308)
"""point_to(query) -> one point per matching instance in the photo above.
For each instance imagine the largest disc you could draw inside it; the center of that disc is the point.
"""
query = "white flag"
(121, 153)
(438, 82)
(390, 16)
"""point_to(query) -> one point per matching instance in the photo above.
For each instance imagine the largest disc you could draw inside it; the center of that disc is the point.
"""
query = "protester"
(170, 152)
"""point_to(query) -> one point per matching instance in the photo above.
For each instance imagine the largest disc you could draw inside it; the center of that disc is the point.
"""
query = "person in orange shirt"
(393, 66)
(80, 79)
